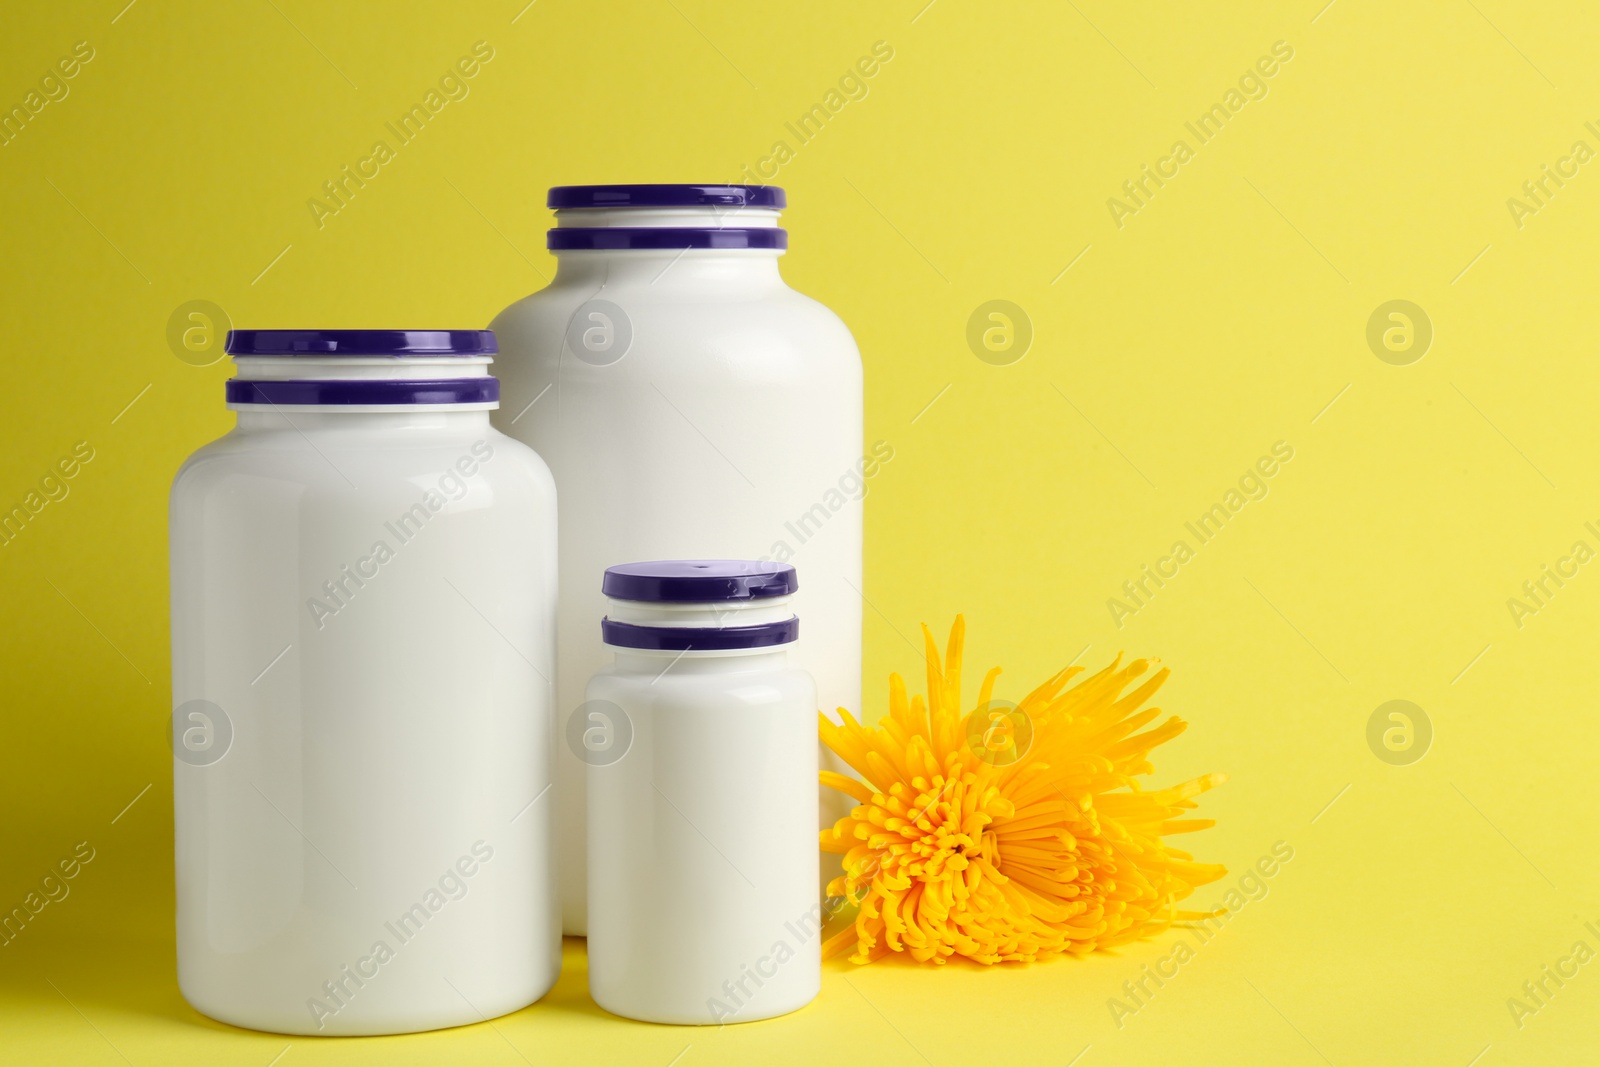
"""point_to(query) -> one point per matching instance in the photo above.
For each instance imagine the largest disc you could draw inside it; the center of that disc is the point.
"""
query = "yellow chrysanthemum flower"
(1010, 833)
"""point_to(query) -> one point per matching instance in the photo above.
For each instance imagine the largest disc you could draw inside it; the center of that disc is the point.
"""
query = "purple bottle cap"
(698, 581)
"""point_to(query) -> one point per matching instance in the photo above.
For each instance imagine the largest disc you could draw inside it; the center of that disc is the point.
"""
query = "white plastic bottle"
(363, 613)
(689, 404)
(702, 789)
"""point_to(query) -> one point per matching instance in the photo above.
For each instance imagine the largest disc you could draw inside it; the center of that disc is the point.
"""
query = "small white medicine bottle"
(702, 797)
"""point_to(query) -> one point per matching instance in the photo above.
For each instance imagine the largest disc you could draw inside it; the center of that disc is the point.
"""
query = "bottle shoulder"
(347, 459)
(771, 301)
(663, 689)
(788, 335)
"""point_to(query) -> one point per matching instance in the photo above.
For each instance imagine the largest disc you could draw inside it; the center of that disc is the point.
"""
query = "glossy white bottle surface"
(702, 800)
(690, 404)
(363, 602)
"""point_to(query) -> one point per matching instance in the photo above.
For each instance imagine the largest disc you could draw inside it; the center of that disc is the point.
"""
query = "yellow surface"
(1227, 314)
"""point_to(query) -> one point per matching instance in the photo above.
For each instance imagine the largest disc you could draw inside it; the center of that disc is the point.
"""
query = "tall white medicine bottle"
(690, 405)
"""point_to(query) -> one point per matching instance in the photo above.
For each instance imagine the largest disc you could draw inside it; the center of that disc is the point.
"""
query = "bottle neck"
(283, 416)
(754, 267)
(679, 614)
(685, 217)
(666, 617)
(359, 368)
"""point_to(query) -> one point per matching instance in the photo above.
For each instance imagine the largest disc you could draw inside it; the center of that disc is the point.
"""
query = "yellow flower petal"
(1043, 845)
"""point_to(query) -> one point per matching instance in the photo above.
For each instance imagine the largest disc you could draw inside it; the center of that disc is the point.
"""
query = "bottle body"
(703, 860)
(726, 421)
(362, 621)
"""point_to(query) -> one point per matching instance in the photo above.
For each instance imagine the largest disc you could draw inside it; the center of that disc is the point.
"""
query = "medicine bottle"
(363, 635)
(690, 404)
(702, 797)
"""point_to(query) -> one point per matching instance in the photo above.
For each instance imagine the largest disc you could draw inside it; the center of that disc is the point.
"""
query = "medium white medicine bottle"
(702, 797)
(363, 611)
(690, 404)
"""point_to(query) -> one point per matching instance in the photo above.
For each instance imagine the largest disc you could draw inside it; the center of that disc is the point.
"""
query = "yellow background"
(1223, 317)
